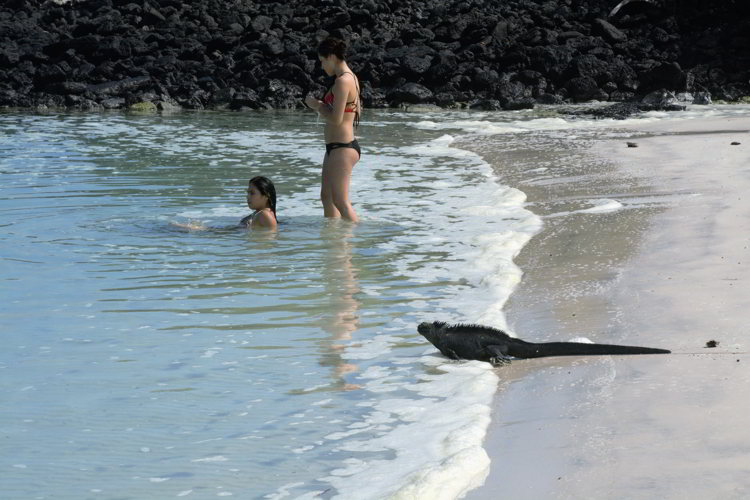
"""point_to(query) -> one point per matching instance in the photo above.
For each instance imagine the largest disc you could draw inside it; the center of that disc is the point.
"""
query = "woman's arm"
(313, 103)
(333, 114)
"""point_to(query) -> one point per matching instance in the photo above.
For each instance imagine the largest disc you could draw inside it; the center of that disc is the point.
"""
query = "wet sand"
(669, 269)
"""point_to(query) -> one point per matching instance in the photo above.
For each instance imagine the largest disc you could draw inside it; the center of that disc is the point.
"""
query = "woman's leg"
(326, 191)
(337, 174)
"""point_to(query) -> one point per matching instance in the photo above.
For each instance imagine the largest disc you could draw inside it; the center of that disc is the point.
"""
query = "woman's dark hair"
(332, 46)
(266, 188)
(338, 48)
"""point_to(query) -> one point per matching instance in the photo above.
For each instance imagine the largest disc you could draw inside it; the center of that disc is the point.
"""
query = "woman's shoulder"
(264, 218)
(346, 79)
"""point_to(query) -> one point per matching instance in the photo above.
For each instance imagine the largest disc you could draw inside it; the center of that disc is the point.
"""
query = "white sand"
(674, 274)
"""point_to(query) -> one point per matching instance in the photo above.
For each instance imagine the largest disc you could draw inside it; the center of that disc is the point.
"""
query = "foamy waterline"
(437, 434)
(529, 121)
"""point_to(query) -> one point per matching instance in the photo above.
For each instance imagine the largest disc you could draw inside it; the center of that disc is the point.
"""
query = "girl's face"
(255, 200)
(328, 64)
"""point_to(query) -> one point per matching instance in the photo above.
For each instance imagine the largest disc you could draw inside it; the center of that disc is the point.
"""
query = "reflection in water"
(341, 286)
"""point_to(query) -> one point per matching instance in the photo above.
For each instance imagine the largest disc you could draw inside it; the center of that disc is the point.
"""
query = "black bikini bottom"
(335, 145)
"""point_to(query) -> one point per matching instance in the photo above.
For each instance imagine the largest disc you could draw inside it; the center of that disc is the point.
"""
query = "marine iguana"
(484, 343)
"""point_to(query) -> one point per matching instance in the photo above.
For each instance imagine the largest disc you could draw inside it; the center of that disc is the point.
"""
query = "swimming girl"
(340, 108)
(261, 197)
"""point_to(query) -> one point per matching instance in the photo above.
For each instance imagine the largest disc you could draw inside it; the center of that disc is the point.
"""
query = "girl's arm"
(190, 226)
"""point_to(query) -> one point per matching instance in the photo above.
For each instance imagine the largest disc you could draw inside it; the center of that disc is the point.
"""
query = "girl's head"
(330, 52)
(261, 194)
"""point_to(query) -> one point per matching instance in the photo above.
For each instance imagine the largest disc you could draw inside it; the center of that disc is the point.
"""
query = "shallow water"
(142, 360)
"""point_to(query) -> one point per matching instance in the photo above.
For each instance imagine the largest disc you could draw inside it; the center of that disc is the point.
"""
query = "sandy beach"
(645, 245)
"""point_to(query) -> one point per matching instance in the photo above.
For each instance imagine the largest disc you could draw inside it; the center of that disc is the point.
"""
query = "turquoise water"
(142, 360)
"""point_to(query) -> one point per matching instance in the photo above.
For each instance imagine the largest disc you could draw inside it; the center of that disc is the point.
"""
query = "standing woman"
(340, 108)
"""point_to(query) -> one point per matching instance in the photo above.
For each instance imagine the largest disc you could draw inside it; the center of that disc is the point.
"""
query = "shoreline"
(668, 269)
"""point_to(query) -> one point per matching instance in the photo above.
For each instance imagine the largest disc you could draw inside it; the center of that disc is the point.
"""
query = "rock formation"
(236, 54)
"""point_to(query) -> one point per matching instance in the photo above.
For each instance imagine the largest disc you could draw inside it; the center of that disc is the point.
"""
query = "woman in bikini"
(340, 108)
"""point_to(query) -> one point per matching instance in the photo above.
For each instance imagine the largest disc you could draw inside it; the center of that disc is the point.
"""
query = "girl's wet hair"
(332, 46)
(266, 188)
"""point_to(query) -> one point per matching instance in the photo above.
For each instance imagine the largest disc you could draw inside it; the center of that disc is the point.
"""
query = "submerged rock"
(660, 100)
(702, 98)
(113, 103)
(656, 101)
(619, 111)
(143, 107)
(487, 105)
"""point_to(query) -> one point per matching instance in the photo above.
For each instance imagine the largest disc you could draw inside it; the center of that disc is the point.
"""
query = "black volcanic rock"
(89, 54)
(608, 31)
(664, 75)
(660, 100)
(410, 92)
(582, 88)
